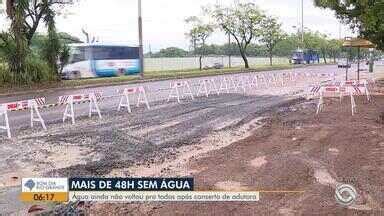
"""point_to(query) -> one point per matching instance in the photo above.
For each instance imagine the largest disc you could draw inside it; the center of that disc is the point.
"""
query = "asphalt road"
(156, 91)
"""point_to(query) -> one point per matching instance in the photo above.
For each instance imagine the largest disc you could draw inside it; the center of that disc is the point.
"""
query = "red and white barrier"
(23, 105)
(141, 98)
(206, 87)
(238, 83)
(335, 91)
(358, 87)
(70, 100)
(180, 90)
(93, 106)
(69, 110)
(4, 115)
(254, 82)
(33, 105)
(313, 91)
(224, 85)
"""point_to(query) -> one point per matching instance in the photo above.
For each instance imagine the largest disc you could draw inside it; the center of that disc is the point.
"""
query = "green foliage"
(170, 52)
(198, 36)
(271, 34)
(51, 47)
(37, 71)
(64, 56)
(14, 45)
(39, 40)
(242, 21)
(286, 46)
(364, 15)
(5, 76)
(31, 58)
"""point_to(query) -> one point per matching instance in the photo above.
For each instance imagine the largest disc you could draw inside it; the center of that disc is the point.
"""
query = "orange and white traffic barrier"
(206, 87)
(179, 90)
(4, 115)
(70, 100)
(141, 97)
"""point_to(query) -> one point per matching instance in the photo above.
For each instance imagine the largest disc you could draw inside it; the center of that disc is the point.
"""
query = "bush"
(37, 71)
(5, 75)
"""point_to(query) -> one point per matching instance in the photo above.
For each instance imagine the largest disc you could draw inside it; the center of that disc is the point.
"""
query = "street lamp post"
(302, 22)
(141, 50)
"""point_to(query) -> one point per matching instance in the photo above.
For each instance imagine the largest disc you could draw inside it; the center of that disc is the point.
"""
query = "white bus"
(101, 60)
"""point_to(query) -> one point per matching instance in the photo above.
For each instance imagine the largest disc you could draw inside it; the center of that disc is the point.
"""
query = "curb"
(97, 85)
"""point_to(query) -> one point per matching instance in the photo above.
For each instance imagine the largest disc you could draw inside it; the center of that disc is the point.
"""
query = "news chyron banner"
(125, 190)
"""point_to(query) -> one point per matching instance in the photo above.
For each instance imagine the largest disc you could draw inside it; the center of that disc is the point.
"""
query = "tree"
(34, 12)
(286, 46)
(198, 36)
(334, 48)
(271, 34)
(171, 52)
(242, 21)
(14, 43)
(52, 46)
(365, 16)
(25, 16)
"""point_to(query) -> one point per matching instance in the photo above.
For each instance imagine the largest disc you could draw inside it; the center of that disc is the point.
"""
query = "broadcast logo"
(30, 184)
(44, 189)
(345, 194)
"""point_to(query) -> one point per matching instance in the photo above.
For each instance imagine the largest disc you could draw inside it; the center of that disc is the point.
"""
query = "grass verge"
(149, 76)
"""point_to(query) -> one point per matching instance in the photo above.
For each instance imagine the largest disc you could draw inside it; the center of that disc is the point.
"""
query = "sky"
(163, 20)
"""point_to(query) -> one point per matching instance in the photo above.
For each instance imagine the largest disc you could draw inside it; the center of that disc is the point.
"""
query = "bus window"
(79, 54)
(110, 53)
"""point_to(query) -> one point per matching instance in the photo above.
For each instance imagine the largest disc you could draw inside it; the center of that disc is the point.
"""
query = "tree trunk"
(201, 62)
(325, 58)
(270, 58)
(242, 53)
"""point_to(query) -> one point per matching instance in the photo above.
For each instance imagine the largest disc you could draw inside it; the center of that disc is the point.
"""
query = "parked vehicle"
(101, 60)
(308, 56)
(214, 66)
(343, 63)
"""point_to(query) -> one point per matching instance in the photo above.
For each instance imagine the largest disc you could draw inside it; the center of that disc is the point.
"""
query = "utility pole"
(141, 51)
(302, 22)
